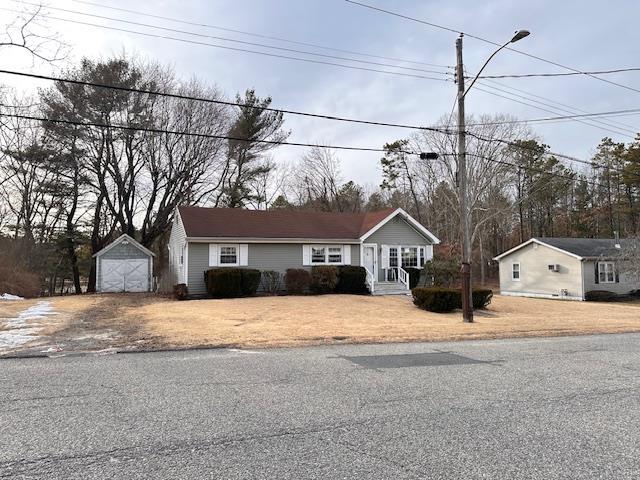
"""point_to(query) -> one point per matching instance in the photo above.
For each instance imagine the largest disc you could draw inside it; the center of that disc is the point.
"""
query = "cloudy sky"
(586, 35)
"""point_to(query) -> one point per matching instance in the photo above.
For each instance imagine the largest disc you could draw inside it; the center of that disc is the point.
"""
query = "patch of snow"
(25, 327)
(8, 296)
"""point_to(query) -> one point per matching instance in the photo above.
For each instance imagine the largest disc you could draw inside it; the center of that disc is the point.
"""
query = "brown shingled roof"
(238, 223)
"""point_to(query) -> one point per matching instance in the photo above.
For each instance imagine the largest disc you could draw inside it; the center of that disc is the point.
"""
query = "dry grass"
(306, 320)
(282, 321)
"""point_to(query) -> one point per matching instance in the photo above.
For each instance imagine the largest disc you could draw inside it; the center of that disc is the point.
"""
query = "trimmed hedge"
(436, 299)
(324, 278)
(352, 279)
(601, 296)
(414, 276)
(231, 282)
(481, 298)
(441, 299)
(297, 280)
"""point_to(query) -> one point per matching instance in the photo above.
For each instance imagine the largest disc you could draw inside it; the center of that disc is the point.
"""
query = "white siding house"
(564, 268)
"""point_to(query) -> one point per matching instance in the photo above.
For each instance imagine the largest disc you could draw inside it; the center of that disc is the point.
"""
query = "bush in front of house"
(324, 278)
(414, 276)
(601, 296)
(436, 299)
(180, 291)
(442, 272)
(481, 298)
(223, 282)
(297, 280)
(249, 281)
(353, 280)
(232, 282)
(271, 282)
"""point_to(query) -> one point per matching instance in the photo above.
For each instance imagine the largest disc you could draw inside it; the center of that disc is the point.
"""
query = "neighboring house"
(383, 242)
(124, 266)
(564, 268)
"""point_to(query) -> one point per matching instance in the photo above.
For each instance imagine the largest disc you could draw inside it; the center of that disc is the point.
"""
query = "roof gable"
(580, 248)
(121, 239)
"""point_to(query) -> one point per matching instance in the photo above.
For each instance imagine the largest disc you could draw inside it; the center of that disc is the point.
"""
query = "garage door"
(130, 275)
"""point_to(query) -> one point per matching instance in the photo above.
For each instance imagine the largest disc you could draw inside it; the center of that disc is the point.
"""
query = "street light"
(465, 227)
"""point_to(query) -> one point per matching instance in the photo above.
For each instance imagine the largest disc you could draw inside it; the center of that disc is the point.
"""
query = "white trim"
(228, 245)
(185, 270)
(119, 240)
(375, 258)
(513, 279)
(606, 262)
(539, 242)
(541, 295)
(409, 220)
(326, 248)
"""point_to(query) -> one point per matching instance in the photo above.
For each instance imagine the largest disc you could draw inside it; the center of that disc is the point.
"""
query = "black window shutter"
(597, 273)
(615, 268)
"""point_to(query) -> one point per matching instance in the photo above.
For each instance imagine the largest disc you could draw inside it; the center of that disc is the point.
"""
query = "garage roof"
(119, 240)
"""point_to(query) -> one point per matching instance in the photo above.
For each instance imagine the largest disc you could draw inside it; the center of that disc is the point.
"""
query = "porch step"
(390, 288)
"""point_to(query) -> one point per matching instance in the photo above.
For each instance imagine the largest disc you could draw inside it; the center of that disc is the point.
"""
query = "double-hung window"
(228, 255)
(409, 257)
(323, 254)
(606, 272)
(393, 257)
(515, 272)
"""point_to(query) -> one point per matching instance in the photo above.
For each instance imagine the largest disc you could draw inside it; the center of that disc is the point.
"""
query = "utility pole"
(467, 307)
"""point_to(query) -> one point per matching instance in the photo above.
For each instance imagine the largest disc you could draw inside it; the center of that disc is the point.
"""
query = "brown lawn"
(157, 322)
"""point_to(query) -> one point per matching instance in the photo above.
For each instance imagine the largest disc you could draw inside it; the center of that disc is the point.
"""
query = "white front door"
(369, 259)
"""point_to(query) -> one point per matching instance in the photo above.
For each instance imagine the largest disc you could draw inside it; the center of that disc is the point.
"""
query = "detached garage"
(124, 266)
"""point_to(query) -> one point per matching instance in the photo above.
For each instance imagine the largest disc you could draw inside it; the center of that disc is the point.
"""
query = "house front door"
(369, 259)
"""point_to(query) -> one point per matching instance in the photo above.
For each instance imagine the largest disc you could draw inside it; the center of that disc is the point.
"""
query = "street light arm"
(483, 67)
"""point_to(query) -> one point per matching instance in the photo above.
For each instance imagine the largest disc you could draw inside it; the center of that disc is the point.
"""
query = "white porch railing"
(403, 276)
(371, 281)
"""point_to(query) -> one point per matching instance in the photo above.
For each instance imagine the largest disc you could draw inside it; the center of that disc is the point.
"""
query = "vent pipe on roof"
(617, 237)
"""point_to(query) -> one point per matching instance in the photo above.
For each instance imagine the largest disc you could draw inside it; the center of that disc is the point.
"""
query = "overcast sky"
(587, 35)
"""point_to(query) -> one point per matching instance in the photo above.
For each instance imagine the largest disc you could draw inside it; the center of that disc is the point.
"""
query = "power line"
(194, 134)
(565, 74)
(244, 50)
(216, 101)
(257, 35)
(556, 111)
(556, 103)
(225, 39)
(476, 37)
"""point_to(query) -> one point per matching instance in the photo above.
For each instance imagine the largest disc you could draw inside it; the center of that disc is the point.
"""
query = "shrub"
(249, 281)
(414, 276)
(271, 281)
(18, 280)
(180, 291)
(352, 279)
(481, 298)
(441, 272)
(601, 296)
(297, 280)
(436, 299)
(224, 282)
(324, 278)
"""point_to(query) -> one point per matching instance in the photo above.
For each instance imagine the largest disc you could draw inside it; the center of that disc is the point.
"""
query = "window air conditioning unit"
(554, 267)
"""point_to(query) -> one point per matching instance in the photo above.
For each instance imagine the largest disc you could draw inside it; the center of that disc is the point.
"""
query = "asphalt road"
(512, 409)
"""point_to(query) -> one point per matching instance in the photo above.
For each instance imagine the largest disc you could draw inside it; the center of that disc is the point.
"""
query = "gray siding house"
(564, 268)
(384, 242)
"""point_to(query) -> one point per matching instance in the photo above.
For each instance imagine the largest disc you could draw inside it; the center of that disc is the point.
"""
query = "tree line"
(125, 159)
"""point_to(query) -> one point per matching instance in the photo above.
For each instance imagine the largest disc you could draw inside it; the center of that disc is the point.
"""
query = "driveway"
(536, 408)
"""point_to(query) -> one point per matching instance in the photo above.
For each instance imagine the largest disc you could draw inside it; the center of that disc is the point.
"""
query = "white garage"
(124, 266)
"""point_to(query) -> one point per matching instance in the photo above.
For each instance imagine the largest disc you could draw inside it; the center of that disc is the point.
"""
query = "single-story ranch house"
(384, 242)
(564, 268)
